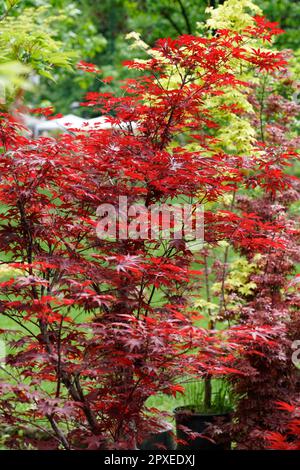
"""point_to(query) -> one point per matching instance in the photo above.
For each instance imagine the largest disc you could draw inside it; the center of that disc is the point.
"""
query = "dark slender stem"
(225, 260)
(207, 393)
(185, 16)
(59, 432)
(59, 358)
(262, 106)
(173, 23)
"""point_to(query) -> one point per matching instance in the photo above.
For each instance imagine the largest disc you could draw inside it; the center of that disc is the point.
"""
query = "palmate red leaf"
(278, 442)
(285, 406)
(45, 111)
(192, 435)
(88, 67)
(177, 388)
(294, 429)
(289, 437)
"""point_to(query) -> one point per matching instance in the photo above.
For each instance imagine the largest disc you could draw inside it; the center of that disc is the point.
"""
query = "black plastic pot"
(198, 422)
(162, 440)
(297, 375)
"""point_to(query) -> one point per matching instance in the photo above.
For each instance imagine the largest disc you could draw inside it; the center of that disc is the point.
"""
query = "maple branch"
(185, 16)
(86, 408)
(173, 23)
(27, 232)
(58, 432)
(207, 287)
(6, 12)
(59, 358)
(74, 390)
(261, 110)
(225, 260)
(20, 323)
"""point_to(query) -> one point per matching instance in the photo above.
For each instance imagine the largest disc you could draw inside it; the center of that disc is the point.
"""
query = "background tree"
(28, 47)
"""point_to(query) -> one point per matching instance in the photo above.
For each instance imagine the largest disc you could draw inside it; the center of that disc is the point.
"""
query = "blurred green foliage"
(29, 45)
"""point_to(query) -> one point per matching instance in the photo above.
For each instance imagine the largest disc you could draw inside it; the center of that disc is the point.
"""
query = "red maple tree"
(101, 324)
